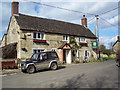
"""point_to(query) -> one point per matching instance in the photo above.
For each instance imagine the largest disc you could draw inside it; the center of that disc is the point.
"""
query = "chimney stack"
(15, 8)
(84, 21)
(118, 38)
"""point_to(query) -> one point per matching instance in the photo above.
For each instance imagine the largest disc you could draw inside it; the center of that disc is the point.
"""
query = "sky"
(107, 32)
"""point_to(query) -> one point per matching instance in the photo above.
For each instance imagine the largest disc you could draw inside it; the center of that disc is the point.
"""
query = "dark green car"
(39, 61)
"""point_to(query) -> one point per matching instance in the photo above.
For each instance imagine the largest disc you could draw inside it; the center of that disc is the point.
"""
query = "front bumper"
(21, 66)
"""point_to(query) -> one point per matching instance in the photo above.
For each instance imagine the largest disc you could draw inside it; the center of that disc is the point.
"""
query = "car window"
(35, 56)
(54, 55)
(43, 56)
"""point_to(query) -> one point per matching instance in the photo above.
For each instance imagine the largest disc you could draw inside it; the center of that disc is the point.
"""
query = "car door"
(42, 61)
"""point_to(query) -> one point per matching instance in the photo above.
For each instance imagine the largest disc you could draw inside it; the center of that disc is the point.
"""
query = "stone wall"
(52, 41)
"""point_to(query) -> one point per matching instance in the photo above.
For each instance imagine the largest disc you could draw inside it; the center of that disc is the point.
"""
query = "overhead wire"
(77, 11)
(110, 10)
(59, 7)
(91, 19)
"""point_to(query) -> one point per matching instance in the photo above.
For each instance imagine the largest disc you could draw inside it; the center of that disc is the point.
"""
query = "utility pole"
(98, 35)
(95, 30)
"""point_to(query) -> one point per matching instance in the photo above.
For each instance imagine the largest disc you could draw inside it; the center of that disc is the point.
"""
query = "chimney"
(84, 21)
(118, 38)
(15, 8)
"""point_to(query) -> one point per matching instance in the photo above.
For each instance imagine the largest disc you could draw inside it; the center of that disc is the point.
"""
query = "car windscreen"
(35, 56)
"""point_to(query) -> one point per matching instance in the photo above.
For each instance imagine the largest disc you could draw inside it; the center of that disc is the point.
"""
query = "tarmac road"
(89, 75)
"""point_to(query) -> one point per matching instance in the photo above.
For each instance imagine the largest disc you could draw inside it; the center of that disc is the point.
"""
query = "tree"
(102, 48)
(74, 45)
(108, 52)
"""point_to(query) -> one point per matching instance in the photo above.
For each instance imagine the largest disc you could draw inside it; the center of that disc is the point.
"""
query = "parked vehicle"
(38, 61)
(118, 59)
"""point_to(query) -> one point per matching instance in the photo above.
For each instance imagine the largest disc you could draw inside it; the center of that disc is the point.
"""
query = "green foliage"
(109, 58)
(102, 48)
(74, 44)
(108, 52)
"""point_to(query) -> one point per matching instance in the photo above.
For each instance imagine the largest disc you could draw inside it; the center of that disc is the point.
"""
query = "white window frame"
(53, 49)
(80, 39)
(40, 35)
(66, 38)
(38, 49)
(78, 53)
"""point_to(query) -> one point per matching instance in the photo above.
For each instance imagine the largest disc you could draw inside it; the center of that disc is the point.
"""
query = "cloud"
(106, 40)
(63, 15)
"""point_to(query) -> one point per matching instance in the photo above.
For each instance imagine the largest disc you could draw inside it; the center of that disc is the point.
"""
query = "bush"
(109, 58)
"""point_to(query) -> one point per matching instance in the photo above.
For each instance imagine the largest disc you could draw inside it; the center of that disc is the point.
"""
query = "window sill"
(38, 40)
(82, 43)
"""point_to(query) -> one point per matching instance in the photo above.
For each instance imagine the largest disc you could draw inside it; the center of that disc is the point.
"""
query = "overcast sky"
(108, 32)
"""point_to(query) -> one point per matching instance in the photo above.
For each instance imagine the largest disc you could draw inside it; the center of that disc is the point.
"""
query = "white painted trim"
(54, 49)
(82, 41)
(67, 38)
(30, 64)
(38, 49)
(37, 35)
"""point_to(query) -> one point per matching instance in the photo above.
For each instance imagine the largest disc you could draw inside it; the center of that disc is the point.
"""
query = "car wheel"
(54, 66)
(30, 69)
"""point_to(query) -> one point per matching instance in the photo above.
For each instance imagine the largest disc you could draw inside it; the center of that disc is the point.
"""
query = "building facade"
(35, 34)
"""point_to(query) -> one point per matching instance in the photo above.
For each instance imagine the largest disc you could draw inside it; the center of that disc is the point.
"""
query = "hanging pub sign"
(94, 44)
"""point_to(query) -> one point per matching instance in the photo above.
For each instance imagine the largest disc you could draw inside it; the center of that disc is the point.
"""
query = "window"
(43, 56)
(53, 49)
(35, 56)
(38, 50)
(53, 55)
(65, 37)
(38, 35)
(82, 39)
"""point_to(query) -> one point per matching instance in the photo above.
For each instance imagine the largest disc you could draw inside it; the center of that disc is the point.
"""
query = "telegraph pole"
(95, 30)
(98, 35)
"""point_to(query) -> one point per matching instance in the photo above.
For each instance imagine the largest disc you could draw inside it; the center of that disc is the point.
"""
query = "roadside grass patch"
(109, 58)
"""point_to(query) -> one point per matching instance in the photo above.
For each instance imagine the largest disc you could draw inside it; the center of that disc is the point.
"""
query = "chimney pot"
(15, 8)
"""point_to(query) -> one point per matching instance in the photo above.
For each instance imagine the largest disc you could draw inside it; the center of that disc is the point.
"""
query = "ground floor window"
(38, 50)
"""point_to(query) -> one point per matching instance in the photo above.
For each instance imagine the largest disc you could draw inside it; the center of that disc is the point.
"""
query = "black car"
(40, 61)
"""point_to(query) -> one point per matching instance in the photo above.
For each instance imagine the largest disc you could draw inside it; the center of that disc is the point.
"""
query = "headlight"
(24, 64)
(18, 65)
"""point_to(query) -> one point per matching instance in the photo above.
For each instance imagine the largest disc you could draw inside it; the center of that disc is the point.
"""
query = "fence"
(9, 64)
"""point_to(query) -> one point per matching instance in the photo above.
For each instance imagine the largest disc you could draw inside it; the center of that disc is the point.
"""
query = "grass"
(109, 58)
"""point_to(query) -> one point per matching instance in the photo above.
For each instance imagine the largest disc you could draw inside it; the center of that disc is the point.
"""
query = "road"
(89, 75)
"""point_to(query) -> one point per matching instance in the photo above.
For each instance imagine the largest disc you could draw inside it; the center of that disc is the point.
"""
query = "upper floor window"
(39, 35)
(82, 39)
(65, 37)
(38, 50)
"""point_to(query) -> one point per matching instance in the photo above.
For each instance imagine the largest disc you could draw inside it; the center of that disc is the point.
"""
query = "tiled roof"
(27, 22)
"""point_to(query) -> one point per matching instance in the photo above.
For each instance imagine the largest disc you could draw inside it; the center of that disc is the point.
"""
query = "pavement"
(89, 75)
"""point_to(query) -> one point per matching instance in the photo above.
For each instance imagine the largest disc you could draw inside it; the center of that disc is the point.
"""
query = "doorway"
(67, 56)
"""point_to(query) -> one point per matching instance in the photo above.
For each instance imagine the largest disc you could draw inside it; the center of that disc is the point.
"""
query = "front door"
(68, 56)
